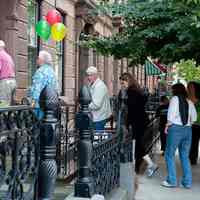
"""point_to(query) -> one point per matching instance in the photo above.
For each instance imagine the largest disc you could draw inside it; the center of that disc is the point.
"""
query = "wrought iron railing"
(106, 162)
(19, 153)
(66, 156)
(151, 115)
(28, 149)
(98, 154)
(120, 112)
(152, 134)
(61, 158)
(152, 103)
(126, 149)
(66, 148)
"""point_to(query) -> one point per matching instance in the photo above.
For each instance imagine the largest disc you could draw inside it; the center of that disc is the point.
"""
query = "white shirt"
(100, 105)
(173, 115)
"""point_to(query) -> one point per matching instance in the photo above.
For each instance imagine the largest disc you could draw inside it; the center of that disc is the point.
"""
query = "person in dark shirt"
(161, 112)
(137, 119)
(193, 89)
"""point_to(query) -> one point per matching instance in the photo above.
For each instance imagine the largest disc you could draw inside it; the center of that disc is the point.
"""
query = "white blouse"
(173, 115)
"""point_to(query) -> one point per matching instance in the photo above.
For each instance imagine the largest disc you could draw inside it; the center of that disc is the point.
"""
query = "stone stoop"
(116, 194)
(127, 179)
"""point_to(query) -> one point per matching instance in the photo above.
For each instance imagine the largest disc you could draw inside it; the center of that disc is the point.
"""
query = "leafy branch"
(164, 29)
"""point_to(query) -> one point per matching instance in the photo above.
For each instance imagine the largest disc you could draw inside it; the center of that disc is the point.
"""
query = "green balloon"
(43, 29)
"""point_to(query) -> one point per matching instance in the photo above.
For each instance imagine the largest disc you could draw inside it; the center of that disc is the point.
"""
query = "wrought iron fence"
(151, 115)
(66, 148)
(66, 156)
(126, 148)
(100, 154)
(106, 162)
(152, 134)
(119, 110)
(19, 153)
(152, 103)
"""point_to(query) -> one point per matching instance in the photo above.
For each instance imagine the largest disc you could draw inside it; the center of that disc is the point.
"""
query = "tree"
(192, 1)
(164, 29)
(188, 70)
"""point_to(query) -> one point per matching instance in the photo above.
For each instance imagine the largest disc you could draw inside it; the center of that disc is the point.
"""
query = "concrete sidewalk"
(62, 190)
(150, 188)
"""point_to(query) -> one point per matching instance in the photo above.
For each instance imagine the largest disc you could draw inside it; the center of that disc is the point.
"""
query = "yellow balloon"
(58, 31)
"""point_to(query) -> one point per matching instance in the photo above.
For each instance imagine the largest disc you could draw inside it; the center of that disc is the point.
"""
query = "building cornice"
(83, 8)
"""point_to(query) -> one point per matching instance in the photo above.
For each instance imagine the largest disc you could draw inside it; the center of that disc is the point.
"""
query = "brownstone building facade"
(18, 19)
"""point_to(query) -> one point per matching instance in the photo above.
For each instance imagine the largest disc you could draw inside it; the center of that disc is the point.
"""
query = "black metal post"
(48, 137)
(84, 187)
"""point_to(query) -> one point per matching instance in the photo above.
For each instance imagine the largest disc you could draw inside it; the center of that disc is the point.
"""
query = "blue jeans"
(99, 126)
(178, 137)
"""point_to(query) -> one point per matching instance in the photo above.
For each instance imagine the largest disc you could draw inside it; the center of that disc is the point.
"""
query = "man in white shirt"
(100, 104)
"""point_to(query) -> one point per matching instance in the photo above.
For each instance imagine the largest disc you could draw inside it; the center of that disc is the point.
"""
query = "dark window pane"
(32, 44)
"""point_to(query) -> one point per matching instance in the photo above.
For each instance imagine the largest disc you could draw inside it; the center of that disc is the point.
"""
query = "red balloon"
(53, 16)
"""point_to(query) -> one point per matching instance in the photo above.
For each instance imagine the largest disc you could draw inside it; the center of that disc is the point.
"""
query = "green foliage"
(164, 29)
(188, 70)
(191, 1)
(31, 11)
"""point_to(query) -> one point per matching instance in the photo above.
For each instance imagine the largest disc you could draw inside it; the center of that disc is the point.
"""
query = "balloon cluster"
(52, 26)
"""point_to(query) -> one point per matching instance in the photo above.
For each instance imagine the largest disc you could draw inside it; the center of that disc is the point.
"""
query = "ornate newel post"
(84, 186)
(47, 166)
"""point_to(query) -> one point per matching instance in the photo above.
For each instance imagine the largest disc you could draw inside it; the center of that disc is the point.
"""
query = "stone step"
(61, 190)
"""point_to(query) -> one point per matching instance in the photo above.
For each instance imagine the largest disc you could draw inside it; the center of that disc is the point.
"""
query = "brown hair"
(179, 89)
(132, 82)
(192, 91)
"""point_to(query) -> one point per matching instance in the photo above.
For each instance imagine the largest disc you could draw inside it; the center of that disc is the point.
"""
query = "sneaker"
(166, 184)
(184, 186)
(151, 170)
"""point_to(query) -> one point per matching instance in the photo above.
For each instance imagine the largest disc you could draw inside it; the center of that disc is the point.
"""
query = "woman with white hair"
(43, 77)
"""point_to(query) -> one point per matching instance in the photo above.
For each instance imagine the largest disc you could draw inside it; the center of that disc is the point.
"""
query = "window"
(95, 58)
(59, 66)
(32, 38)
(59, 62)
(106, 70)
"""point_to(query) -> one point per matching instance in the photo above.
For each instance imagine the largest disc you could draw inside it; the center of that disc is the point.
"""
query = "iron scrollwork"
(106, 162)
(19, 153)
(66, 152)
